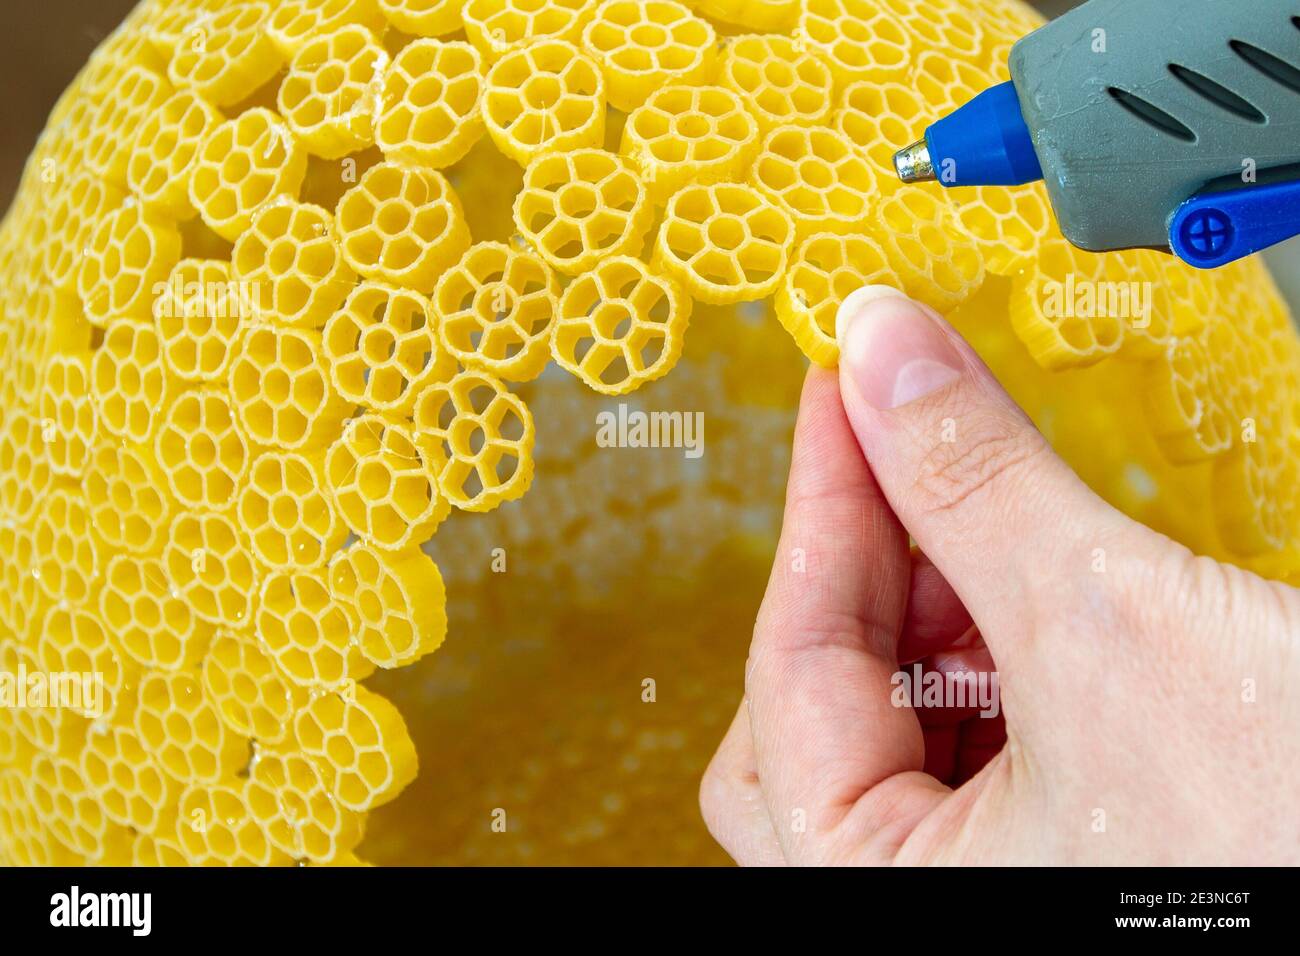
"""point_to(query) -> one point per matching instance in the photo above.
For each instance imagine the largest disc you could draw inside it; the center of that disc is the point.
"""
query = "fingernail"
(892, 350)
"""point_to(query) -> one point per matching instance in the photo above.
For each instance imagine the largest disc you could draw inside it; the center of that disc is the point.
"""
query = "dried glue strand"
(619, 326)
(579, 207)
(497, 305)
(481, 435)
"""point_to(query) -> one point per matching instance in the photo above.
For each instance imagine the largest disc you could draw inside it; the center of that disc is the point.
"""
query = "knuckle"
(985, 452)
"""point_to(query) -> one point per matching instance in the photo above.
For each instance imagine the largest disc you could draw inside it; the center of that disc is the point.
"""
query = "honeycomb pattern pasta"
(125, 778)
(826, 268)
(307, 632)
(215, 827)
(241, 165)
(432, 103)
(288, 796)
(294, 23)
(360, 742)
(544, 97)
(383, 347)
(25, 462)
(818, 178)
(67, 807)
(291, 523)
(1057, 332)
(396, 602)
(724, 243)
(496, 307)
(688, 134)
(425, 18)
(278, 290)
(154, 626)
(250, 694)
(211, 566)
(73, 641)
(129, 380)
(123, 259)
(329, 96)
(938, 262)
(778, 80)
(482, 434)
(577, 208)
(206, 750)
(162, 157)
(229, 54)
(401, 224)
(858, 39)
(619, 326)
(68, 560)
(68, 413)
(203, 449)
(499, 26)
(383, 484)
(291, 266)
(281, 388)
(200, 316)
(644, 44)
(882, 118)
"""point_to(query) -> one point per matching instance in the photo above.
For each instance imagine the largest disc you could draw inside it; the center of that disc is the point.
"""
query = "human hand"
(1150, 697)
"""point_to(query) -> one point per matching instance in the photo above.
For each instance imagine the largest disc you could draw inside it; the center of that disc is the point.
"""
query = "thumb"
(1009, 525)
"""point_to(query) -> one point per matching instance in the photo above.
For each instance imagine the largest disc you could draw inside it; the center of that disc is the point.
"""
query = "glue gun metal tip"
(912, 163)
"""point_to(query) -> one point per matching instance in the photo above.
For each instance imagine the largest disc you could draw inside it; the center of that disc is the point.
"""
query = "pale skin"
(1151, 711)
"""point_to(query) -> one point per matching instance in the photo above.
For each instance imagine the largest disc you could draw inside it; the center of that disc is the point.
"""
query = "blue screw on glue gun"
(1163, 124)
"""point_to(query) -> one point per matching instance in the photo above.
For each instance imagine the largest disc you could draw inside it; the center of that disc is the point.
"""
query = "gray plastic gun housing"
(1136, 105)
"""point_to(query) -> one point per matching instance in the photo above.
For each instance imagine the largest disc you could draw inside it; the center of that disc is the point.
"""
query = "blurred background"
(44, 44)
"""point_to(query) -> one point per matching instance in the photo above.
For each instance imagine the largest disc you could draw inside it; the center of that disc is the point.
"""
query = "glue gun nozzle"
(912, 163)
